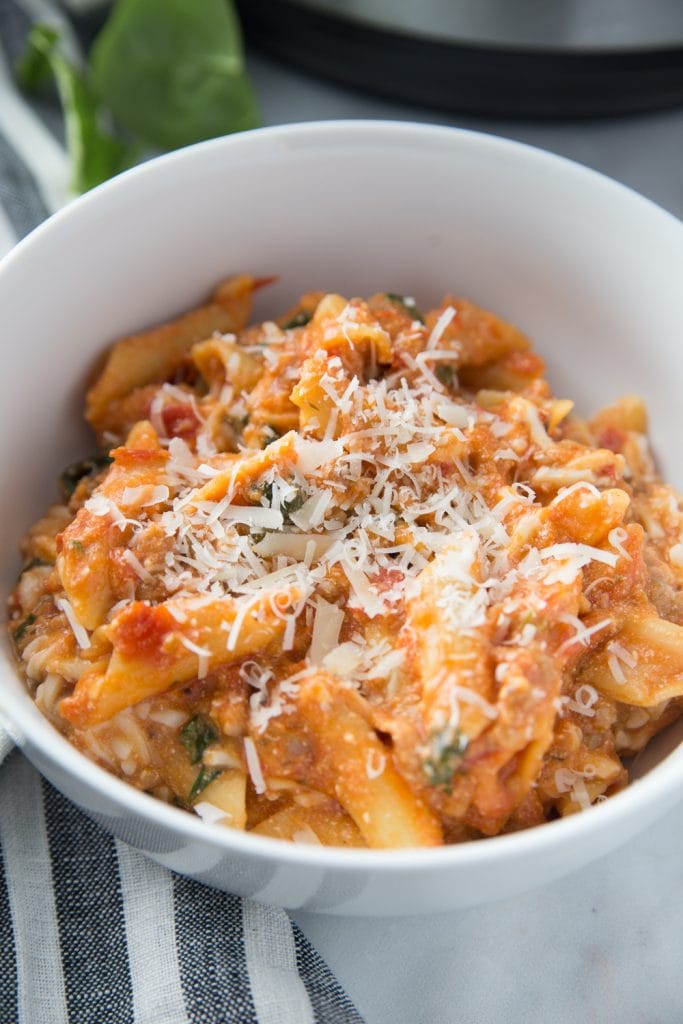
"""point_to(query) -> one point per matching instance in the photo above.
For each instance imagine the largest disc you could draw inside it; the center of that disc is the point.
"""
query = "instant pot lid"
(528, 58)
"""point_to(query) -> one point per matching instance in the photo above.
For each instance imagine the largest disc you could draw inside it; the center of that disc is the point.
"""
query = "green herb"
(204, 777)
(77, 470)
(172, 72)
(445, 373)
(288, 506)
(28, 621)
(407, 303)
(33, 564)
(293, 505)
(160, 74)
(77, 546)
(270, 434)
(196, 737)
(267, 492)
(95, 153)
(447, 751)
(300, 319)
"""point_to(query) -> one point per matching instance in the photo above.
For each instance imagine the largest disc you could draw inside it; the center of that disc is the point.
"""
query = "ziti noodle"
(355, 577)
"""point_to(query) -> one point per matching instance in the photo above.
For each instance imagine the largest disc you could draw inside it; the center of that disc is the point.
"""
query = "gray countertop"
(603, 945)
(644, 152)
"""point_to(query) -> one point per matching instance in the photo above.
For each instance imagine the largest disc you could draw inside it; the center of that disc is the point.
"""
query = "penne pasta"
(155, 355)
(155, 648)
(355, 576)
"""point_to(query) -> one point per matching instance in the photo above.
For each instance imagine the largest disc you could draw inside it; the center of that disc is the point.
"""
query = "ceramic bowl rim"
(658, 785)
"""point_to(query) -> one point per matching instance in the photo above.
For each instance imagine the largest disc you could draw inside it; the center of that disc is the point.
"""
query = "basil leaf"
(172, 71)
(300, 319)
(95, 154)
(293, 505)
(407, 303)
(270, 434)
(196, 737)
(74, 473)
(446, 755)
(445, 372)
(204, 777)
(28, 621)
(288, 506)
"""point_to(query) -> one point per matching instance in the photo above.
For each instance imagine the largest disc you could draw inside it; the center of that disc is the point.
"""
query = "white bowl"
(589, 269)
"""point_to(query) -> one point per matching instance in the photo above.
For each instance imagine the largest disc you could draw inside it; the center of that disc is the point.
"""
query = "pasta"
(355, 576)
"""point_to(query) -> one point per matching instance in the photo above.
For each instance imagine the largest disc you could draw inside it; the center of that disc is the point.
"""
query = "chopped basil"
(300, 319)
(293, 505)
(77, 546)
(288, 506)
(447, 751)
(407, 303)
(74, 473)
(445, 373)
(196, 737)
(271, 434)
(204, 777)
(28, 621)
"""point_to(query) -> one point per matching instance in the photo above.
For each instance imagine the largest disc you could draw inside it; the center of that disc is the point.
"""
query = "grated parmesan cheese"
(440, 326)
(145, 495)
(79, 631)
(375, 763)
(254, 765)
(211, 814)
(583, 633)
(136, 565)
(203, 654)
(618, 655)
(326, 628)
(616, 537)
(311, 455)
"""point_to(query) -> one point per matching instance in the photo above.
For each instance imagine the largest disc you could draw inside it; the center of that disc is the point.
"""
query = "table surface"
(602, 945)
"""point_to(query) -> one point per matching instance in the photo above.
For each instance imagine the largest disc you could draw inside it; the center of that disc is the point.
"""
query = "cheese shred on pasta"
(355, 575)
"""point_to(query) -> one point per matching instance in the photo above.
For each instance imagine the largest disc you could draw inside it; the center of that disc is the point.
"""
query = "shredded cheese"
(203, 654)
(617, 656)
(616, 537)
(440, 326)
(79, 631)
(254, 765)
(375, 763)
(145, 495)
(211, 814)
(326, 628)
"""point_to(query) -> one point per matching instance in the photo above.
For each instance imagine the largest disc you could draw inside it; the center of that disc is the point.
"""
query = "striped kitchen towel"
(91, 932)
